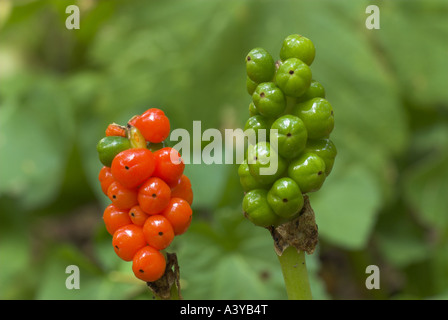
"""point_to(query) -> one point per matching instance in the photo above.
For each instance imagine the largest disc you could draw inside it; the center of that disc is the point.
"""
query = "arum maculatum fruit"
(294, 154)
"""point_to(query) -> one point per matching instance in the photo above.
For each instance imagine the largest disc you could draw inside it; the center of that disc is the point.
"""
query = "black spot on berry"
(117, 247)
(141, 271)
(262, 95)
(126, 167)
(132, 214)
(154, 195)
(160, 233)
(285, 200)
(319, 173)
(288, 134)
(332, 113)
(291, 71)
(114, 196)
(248, 58)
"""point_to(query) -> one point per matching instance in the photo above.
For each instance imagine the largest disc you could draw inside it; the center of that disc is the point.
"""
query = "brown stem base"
(163, 288)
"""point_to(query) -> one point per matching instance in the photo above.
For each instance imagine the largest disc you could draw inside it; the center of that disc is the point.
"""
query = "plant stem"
(295, 274)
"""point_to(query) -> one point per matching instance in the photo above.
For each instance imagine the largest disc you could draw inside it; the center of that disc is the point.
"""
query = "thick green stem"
(295, 274)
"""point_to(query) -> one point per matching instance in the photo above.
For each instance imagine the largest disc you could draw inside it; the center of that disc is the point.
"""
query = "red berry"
(169, 165)
(127, 241)
(122, 197)
(154, 125)
(158, 232)
(137, 215)
(148, 264)
(154, 195)
(105, 177)
(132, 167)
(179, 213)
(115, 218)
(183, 189)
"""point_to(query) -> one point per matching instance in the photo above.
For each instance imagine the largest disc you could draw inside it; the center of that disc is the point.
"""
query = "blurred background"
(385, 203)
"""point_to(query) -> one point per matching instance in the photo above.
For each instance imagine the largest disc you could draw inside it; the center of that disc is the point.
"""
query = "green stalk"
(295, 274)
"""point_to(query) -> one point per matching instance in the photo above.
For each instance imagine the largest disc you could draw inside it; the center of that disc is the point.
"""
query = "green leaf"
(36, 132)
(346, 207)
(418, 57)
(425, 186)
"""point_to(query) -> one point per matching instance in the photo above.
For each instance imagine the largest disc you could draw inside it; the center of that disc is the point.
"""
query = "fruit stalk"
(295, 274)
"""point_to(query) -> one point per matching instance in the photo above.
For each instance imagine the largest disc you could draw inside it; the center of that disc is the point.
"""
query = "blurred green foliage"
(385, 202)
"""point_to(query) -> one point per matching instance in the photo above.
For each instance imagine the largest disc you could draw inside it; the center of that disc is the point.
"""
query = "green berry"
(260, 65)
(253, 109)
(291, 136)
(297, 46)
(247, 181)
(293, 77)
(256, 208)
(308, 171)
(109, 147)
(256, 123)
(285, 198)
(325, 149)
(265, 164)
(317, 114)
(250, 85)
(269, 100)
(316, 90)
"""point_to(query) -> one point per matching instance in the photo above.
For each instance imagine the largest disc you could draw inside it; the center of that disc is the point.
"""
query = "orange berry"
(148, 264)
(121, 197)
(154, 195)
(158, 232)
(115, 218)
(179, 213)
(127, 241)
(137, 215)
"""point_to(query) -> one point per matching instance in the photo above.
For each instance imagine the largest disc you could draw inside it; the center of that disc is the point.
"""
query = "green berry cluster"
(285, 97)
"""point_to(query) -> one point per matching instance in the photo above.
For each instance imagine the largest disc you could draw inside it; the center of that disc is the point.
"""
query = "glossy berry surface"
(324, 148)
(105, 178)
(183, 189)
(317, 114)
(315, 90)
(297, 155)
(137, 215)
(109, 147)
(133, 166)
(247, 180)
(158, 232)
(291, 136)
(148, 264)
(154, 125)
(115, 218)
(150, 195)
(269, 99)
(169, 165)
(293, 77)
(285, 198)
(127, 241)
(154, 195)
(298, 46)
(261, 128)
(308, 171)
(264, 163)
(257, 209)
(179, 214)
(122, 197)
(260, 65)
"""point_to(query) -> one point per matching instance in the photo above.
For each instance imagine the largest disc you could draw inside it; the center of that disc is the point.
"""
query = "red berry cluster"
(150, 195)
